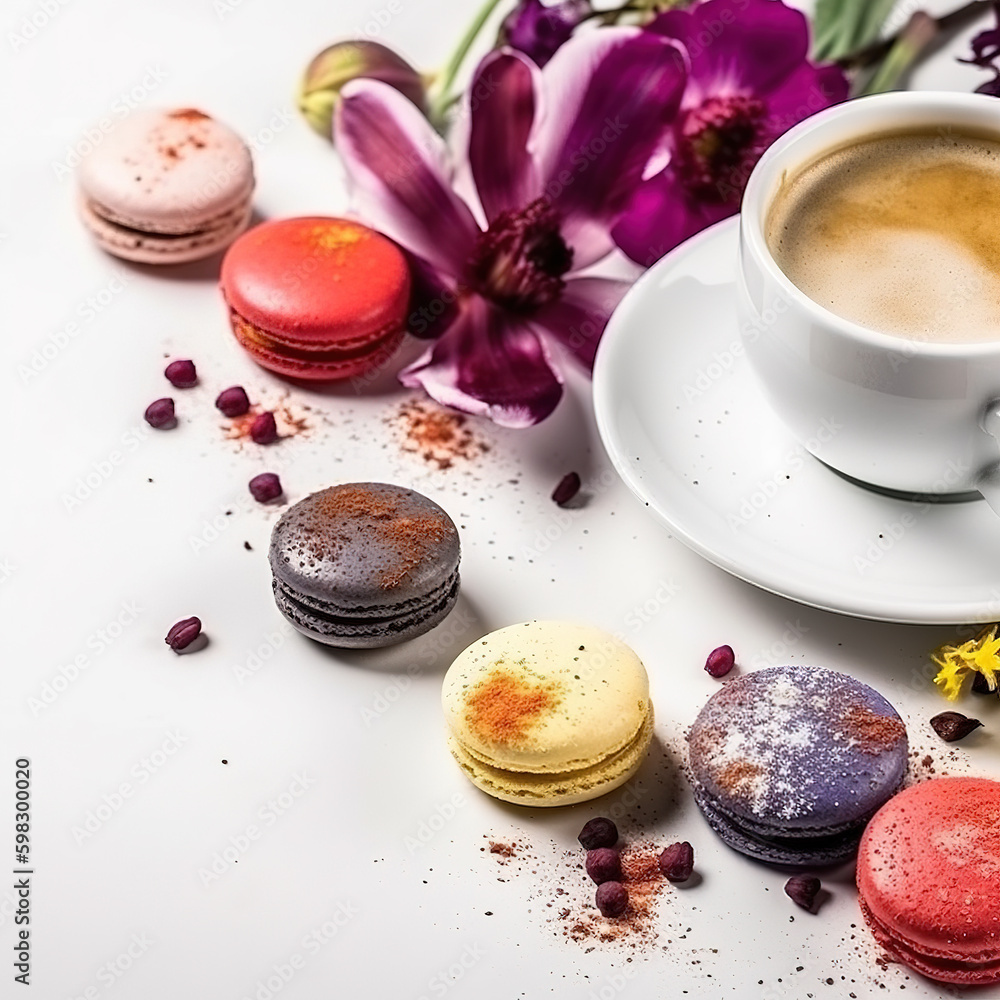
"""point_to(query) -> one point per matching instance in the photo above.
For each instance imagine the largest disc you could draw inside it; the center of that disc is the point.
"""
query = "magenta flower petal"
(607, 97)
(501, 110)
(491, 364)
(661, 215)
(577, 319)
(752, 44)
(398, 171)
(805, 91)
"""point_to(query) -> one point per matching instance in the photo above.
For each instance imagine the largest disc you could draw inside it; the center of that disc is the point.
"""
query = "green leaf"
(840, 27)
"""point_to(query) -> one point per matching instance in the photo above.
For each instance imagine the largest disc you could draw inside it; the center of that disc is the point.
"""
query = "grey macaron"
(365, 564)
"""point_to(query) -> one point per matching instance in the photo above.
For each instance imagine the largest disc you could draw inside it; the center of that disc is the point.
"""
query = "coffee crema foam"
(899, 233)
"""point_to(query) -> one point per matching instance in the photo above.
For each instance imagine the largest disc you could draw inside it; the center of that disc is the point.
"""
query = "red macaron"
(316, 298)
(929, 879)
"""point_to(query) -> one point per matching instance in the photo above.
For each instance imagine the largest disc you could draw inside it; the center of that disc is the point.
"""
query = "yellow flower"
(980, 655)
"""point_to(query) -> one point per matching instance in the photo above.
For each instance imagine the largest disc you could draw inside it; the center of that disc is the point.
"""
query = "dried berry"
(803, 890)
(183, 633)
(677, 861)
(265, 487)
(160, 414)
(604, 865)
(611, 899)
(952, 726)
(233, 401)
(568, 488)
(264, 430)
(720, 661)
(181, 374)
(980, 685)
(598, 832)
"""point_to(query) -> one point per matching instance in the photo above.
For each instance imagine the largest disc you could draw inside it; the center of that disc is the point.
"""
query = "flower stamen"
(519, 262)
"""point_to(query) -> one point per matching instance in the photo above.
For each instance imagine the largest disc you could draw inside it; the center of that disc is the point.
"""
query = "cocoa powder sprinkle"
(438, 436)
(872, 733)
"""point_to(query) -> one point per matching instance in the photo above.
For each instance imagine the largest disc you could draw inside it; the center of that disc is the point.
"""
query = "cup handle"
(988, 481)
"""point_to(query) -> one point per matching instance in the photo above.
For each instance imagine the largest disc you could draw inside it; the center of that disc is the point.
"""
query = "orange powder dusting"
(872, 733)
(739, 776)
(439, 436)
(502, 708)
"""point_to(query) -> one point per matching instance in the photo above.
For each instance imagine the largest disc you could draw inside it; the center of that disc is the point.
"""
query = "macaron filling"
(329, 618)
(348, 349)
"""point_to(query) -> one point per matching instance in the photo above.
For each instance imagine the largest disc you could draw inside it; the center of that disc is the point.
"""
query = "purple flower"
(553, 155)
(537, 30)
(749, 82)
(985, 52)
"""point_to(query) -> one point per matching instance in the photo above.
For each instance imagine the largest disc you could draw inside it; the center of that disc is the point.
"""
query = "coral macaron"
(929, 879)
(316, 298)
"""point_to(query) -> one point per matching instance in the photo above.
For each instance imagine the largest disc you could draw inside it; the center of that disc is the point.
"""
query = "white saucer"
(684, 424)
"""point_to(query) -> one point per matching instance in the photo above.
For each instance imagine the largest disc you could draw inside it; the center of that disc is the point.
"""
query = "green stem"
(444, 99)
(911, 42)
(957, 19)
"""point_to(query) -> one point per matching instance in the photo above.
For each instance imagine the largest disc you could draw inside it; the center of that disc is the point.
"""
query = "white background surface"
(365, 733)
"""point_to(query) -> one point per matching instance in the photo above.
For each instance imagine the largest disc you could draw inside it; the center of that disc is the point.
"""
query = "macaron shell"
(546, 696)
(381, 627)
(362, 545)
(157, 248)
(929, 876)
(345, 359)
(167, 171)
(798, 747)
(819, 850)
(561, 788)
(314, 283)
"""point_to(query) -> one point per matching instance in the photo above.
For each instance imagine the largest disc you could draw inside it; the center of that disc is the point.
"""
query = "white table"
(338, 852)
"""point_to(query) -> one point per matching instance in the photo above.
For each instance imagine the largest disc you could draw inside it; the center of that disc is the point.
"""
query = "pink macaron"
(166, 187)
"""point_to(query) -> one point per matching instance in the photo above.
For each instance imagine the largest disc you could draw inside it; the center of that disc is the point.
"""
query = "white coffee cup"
(914, 416)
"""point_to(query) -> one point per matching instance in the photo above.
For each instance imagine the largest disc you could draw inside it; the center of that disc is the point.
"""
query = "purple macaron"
(790, 763)
(365, 564)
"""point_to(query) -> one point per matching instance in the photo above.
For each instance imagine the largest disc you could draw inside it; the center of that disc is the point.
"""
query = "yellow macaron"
(548, 713)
